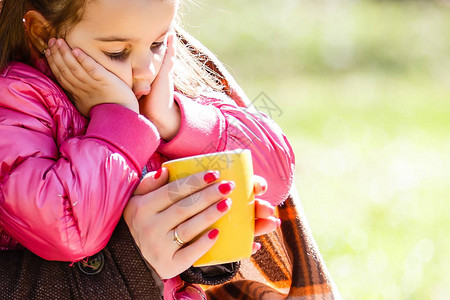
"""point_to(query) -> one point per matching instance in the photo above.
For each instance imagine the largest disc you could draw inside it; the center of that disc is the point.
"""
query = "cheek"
(76, 39)
(121, 70)
(118, 68)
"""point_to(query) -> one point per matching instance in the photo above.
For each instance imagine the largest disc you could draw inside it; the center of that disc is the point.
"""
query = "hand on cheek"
(159, 106)
(87, 82)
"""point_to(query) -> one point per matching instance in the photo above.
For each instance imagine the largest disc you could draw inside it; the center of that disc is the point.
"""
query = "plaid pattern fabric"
(289, 263)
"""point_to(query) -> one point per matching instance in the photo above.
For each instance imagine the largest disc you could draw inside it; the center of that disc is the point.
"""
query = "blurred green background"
(364, 91)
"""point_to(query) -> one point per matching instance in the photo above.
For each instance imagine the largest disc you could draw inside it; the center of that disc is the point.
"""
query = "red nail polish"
(213, 234)
(211, 176)
(158, 174)
(226, 188)
(224, 205)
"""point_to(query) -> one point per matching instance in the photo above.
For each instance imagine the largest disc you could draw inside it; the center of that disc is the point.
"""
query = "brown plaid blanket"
(289, 263)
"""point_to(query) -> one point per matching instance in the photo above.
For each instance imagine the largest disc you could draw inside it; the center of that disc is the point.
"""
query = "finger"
(79, 75)
(255, 247)
(186, 256)
(152, 181)
(264, 226)
(197, 202)
(56, 72)
(194, 226)
(174, 191)
(263, 209)
(260, 185)
(164, 77)
(62, 69)
(168, 61)
(92, 68)
(51, 58)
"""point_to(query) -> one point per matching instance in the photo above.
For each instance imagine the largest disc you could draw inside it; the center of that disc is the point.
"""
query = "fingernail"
(278, 222)
(226, 188)
(47, 52)
(258, 246)
(211, 176)
(224, 205)
(272, 209)
(158, 174)
(263, 187)
(51, 42)
(213, 234)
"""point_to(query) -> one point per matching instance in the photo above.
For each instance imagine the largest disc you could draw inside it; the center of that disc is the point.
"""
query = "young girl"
(91, 94)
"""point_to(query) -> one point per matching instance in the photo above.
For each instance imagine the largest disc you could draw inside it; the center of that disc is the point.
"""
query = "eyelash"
(117, 56)
(123, 54)
(157, 46)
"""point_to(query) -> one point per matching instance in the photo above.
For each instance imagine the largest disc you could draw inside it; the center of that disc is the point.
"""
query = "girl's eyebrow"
(122, 39)
(115, 39)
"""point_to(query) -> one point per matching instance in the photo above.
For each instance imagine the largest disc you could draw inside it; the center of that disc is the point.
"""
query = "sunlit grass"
(364, 90)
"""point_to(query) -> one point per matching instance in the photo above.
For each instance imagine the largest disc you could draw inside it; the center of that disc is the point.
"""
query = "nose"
(144, 68)
(144, 72)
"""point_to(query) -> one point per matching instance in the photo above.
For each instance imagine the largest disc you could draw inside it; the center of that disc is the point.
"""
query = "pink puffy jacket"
(64, 180)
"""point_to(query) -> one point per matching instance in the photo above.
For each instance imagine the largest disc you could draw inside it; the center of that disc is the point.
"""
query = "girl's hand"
(158, 106)
(87, 82)
(189, 206)
(264, 212)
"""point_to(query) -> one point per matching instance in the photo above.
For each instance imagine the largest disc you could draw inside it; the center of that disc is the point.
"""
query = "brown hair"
(60, 14)
(190, 73)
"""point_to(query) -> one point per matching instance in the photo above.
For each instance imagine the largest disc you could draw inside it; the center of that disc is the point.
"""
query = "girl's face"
(127, 37)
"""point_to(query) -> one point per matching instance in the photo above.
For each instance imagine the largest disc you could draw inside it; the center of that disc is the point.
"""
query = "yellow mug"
(237, 226)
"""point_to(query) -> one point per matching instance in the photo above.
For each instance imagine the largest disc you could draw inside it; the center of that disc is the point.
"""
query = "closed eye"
(117, 55)
(158, 46)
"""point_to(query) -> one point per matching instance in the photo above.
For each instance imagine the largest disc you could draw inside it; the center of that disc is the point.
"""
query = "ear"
(38, 29)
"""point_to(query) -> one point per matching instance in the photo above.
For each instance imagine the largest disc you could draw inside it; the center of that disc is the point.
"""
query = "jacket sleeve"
(62, 197)
(213, 124)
